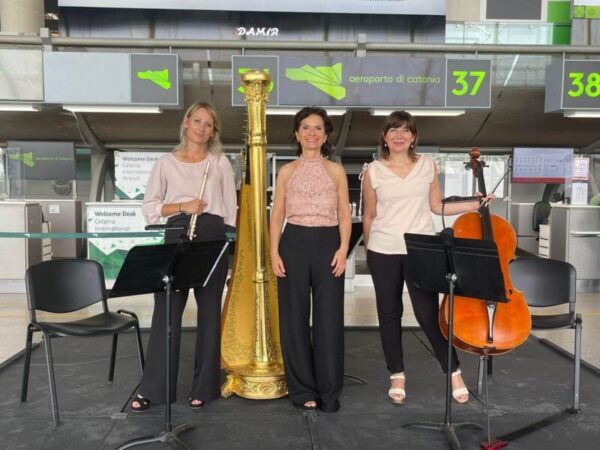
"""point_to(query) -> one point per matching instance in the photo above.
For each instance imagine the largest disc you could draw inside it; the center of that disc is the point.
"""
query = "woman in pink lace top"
(309, 258)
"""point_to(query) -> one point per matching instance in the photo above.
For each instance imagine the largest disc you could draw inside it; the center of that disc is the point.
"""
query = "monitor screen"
(541, 165)
(40, 160)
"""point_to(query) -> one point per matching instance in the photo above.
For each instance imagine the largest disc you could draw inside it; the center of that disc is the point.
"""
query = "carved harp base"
(256, 384)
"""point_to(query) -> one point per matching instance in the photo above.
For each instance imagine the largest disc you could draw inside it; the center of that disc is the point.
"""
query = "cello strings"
(487, 201)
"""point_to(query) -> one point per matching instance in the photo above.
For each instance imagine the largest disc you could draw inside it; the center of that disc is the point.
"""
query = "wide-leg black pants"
(389, 272)
(206, 381)
(313, 362)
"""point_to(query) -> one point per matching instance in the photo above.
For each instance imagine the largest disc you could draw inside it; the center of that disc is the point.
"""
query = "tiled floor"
(360, 311)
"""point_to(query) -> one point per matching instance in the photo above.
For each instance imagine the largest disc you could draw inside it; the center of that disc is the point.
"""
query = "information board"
(542, 165)
(132, 170)
(115, 217)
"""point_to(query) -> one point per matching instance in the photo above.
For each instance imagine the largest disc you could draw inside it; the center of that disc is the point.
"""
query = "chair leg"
(113, 357)
(27, 364)
(140, 348)
(577, 369)
(51, 380)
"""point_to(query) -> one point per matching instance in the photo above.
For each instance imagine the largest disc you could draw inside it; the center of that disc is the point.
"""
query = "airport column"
(21, 16)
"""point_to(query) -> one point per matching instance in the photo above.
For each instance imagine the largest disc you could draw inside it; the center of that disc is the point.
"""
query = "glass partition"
(499, 33)
(3, 186)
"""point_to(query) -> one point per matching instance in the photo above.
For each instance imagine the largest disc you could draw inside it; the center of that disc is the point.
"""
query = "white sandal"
(397, 391)
(459, 392)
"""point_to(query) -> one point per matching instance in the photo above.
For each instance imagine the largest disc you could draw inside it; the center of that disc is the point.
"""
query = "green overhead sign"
(581, 84)
(118, 79)
(154, 79)
(469, 83)
(572, 84)
(372, 81)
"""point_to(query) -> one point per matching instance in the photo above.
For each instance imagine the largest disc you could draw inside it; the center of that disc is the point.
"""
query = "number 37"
(462, 78)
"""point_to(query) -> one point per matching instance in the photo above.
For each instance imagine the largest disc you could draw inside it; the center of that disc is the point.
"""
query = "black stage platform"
(528, 384)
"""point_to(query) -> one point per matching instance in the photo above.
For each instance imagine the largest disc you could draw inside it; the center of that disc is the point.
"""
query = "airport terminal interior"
(93, 92)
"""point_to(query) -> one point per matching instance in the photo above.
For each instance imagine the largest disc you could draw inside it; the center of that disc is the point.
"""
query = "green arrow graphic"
(158, 77)
(325, 78)
(25, 158)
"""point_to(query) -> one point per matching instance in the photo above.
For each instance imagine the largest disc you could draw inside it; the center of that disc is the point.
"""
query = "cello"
(486, 326)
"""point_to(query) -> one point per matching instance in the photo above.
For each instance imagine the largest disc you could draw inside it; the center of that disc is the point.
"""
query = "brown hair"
(398, 119)
(309, 111)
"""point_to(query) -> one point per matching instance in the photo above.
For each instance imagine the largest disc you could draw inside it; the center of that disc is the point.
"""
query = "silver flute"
(194, 217)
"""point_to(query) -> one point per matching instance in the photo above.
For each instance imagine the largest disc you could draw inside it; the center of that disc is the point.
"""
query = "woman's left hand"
(339, 262)
(485, 200)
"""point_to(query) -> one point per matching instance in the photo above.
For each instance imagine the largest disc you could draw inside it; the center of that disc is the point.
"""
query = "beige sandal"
(460, 392)
(394, 392)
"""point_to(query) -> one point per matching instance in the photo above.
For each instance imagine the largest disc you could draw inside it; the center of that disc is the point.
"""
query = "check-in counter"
(575, 238)
(17, 254)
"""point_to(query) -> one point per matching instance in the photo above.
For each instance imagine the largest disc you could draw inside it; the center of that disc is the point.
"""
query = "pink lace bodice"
(311, 195)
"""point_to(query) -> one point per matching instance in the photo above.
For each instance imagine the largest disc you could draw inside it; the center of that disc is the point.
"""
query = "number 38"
(591, 85)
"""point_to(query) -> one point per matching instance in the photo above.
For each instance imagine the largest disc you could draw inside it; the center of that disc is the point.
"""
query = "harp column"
(263, 376)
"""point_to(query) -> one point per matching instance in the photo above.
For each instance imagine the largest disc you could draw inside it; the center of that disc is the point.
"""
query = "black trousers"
(389, 272)
(314, 362)
(206, 381)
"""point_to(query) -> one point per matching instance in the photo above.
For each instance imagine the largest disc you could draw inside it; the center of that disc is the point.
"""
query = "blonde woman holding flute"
(195, 184)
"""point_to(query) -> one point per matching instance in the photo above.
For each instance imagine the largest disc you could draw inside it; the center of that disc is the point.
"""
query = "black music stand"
(466, 267)
(159, 268)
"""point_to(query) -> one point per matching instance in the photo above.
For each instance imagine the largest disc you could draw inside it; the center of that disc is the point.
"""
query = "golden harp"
(250, 349)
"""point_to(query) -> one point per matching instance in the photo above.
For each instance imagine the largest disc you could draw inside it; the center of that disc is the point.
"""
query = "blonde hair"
(214, 144)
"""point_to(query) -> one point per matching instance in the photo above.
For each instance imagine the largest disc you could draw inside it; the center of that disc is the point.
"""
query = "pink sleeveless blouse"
(311, 195)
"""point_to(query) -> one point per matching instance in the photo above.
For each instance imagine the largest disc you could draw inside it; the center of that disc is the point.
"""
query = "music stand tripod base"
(167, 268)
(449, 429)
(436, 263)
(167, 437)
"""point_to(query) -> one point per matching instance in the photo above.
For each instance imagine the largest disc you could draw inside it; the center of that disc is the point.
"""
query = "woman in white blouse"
(401, 189)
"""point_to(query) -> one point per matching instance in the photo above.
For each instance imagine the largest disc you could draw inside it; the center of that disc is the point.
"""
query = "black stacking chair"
(549, 282)
(64, 286)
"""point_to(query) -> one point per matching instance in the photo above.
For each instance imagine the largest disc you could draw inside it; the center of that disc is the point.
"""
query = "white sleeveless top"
(402, 205)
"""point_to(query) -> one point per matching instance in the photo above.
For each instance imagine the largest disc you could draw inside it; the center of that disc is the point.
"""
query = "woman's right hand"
(277, 265)
(193, 206)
